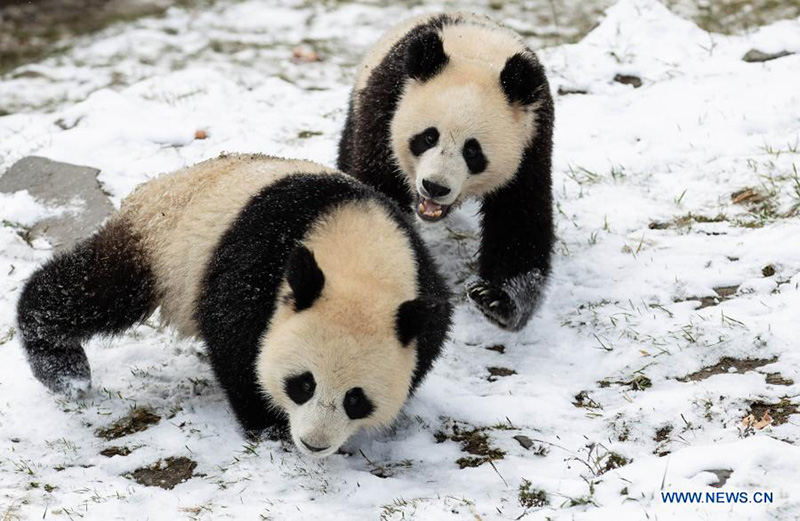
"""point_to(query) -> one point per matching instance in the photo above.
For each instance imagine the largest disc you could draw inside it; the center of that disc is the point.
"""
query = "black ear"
(425, 56)
(305, 278)
(418, 315)
(520, 78)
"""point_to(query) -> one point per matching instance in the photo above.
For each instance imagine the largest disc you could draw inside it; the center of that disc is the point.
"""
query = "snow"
(643, 180)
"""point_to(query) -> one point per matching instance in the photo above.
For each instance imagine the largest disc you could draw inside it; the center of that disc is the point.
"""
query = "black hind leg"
(103, 286)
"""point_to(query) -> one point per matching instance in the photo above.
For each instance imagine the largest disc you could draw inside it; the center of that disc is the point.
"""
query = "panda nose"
(313, 448)
(434, 190)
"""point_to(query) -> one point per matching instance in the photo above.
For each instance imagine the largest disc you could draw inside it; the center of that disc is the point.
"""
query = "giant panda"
(317, 300)
(454, 106)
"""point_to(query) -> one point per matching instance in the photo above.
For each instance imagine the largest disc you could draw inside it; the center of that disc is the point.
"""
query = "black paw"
(493, 302)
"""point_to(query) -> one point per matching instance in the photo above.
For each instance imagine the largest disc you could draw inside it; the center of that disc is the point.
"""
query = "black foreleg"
(103, 286)
(516, 244)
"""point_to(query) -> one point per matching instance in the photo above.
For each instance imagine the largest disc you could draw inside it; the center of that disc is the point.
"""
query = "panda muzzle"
(429, 210)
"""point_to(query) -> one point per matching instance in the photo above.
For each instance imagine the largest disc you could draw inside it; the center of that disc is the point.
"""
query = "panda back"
(183, 216)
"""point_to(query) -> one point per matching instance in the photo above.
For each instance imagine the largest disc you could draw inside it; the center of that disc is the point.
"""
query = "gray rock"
(629, 79)
(525, 441)
(756, 56)
(60, 184)
(722, 476)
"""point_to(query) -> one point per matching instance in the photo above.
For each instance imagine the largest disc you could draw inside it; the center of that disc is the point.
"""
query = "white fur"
(464, 101)
(182, 215)
(347, 338)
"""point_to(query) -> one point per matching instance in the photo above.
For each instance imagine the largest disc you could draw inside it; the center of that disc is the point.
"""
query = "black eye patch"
(300, 388)
(473, 155)
(423, 141)
(356, 404)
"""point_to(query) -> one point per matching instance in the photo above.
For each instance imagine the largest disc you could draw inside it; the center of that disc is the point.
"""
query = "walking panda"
(454, 106)
(313, 293)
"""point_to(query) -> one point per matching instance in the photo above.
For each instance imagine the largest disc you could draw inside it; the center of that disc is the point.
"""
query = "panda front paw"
(493, 302)
(509, 304)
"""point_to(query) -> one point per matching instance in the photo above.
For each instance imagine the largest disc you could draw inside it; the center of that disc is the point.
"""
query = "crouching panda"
(454, 106)
(316, 299)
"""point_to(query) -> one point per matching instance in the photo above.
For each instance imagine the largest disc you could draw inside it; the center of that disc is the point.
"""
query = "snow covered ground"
(673, 313)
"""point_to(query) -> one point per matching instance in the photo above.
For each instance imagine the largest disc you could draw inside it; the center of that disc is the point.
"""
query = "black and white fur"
(317, 300)
(453, 106)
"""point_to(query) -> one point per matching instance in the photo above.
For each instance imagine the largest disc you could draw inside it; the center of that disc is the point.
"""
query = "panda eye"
(473, 155)
(300, 388)
(356, 404)
(424, 141)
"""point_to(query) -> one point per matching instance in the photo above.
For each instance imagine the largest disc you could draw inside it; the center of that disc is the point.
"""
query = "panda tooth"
(494, 304)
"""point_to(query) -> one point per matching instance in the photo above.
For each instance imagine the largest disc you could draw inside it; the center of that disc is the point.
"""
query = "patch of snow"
(647, 226)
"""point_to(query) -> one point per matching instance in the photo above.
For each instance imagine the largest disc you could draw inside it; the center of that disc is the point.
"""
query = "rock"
(756, 56)
(564, 90)
(110, 452)
(628, 79)
(525, 441)
(722, 476)
(60, 184)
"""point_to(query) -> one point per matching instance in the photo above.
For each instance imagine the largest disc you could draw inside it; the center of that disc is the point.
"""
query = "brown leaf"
(201, 134)
(765, 421)
(747, 195)
(305, 55)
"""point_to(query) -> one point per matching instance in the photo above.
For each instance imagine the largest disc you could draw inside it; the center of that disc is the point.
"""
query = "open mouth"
(430, 210)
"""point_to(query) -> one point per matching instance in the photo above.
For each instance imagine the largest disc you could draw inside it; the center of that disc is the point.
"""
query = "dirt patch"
(498, 348)
(663, 433)
(499, 372)
(778, 379)
(473, 441)
(110, 452)
(733, 16)
(165, 473)
(686, 220)
(779, 411)
(613, 460)
(30, 30)
(139, 419)
(725, 365)
(530, 497)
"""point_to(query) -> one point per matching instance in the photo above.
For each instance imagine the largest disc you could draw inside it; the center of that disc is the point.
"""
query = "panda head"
(329, 364)
(462, 122)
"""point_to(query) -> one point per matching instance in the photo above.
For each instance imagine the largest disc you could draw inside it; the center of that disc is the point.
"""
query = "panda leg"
(516, 246)
(103, 286)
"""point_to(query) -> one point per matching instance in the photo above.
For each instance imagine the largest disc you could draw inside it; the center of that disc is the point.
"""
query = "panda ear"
(417, 316)
(425, 56)
(305, 278)
(520, 79)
